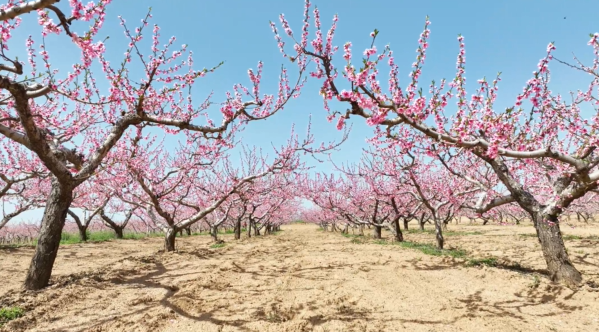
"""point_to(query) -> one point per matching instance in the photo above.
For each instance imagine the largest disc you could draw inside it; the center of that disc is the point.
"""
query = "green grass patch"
(357, 240)
(217, 245)
(425, 248)
(227, 231)
(571, 237)
(448, 233)
(8, 314)
(489, 261)
(432, 250)
(419, 231)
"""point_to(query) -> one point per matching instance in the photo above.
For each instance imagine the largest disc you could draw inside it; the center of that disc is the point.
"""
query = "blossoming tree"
(71, 125)
(542, 129)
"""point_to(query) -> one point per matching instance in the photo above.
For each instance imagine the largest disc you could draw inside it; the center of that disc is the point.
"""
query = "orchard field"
(144, 188)
(312, 280)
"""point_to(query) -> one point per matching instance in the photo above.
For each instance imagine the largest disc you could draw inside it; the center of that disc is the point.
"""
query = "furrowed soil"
(304, 279)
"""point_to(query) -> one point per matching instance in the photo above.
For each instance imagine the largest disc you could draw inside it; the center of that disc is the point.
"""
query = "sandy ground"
(303, 279)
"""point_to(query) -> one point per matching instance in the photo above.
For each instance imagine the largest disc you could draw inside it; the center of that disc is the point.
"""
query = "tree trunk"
(238, 229)
(214, 233)
(188, 230)
(554, 251)
(249, 229)
(377, 233)
(439, 233)
(119, 232)
(40, 268)
(405, 223)
(398, 234)
(169, 239)
(421, 225)
(83, 233)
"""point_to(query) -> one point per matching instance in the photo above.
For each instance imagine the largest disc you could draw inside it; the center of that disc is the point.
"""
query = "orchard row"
(90, 143)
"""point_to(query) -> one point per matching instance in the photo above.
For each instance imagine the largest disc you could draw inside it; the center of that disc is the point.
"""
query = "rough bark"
(377, 232)
(398, 236)
(554, 251)
(55, 214)
(405, 223)
(439, 233)
(169, 239)
(214, 233)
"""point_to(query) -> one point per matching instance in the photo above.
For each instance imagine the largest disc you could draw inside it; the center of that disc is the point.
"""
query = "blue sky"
(507, 36)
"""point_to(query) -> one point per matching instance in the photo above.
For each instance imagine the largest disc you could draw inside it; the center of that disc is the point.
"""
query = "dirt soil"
(303, 279)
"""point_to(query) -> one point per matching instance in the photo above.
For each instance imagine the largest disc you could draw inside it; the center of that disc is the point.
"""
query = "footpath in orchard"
(304, 279)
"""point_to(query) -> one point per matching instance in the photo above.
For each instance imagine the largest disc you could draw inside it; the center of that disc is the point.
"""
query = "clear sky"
(507, 36)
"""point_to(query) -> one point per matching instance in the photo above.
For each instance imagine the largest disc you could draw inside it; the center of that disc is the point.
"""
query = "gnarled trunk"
(169, 239)
(405, 223)
(554, 251)
(377, 233)
(55, 214)
(188, 230)
(249, 228)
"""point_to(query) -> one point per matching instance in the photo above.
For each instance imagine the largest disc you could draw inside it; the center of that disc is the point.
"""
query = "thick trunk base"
(40, 269)
(169, 239)
(559, 265)
(377, 232)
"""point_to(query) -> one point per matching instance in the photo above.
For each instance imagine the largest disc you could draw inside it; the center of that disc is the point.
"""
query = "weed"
(217, 245)
(418, 231)
(571, 237)
(536, 281)
(349, 235)
(429, 249)
(357, 240)
(8, 314)
(489, 261)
